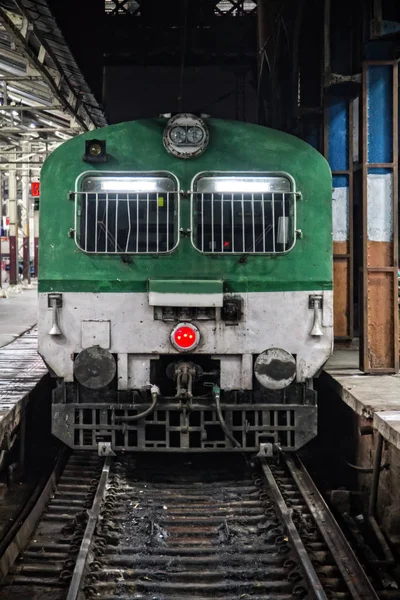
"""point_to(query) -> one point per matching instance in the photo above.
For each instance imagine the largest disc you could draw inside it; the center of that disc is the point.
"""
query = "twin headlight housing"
(185, 136)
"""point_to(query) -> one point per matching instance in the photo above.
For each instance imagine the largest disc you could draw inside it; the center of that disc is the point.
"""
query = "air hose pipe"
(216, 392)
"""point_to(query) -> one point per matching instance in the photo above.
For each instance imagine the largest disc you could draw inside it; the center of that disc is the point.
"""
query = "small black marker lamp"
(95, 151)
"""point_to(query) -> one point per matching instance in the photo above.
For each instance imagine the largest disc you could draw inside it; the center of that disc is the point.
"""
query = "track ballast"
(173, 528)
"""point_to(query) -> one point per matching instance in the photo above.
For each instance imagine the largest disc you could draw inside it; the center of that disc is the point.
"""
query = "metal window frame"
(254, 174)
(100, 173)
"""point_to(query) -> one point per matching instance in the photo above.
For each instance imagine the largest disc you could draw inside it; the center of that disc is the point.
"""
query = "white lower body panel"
(124, 324)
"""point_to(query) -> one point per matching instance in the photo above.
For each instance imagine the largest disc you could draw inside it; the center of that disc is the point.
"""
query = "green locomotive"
(185, 286)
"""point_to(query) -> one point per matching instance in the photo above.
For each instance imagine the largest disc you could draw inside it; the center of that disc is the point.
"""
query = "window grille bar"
(157, 222)
(253, 217)
(283, 223)
(86, 223)
(273, 224)
(236, 222)
(128, 210)
(233, 223)
(105, 222)
(263, 223)
(137, 224)
(243, 227)
(202, 222)
(212, 223)
(116, 224)
(96, 224)
(106, 231)
(147, 222)
(222, 224)
(168, 220)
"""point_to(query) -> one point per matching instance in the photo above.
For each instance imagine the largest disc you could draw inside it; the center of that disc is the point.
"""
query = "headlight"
(178, 135)
(195, 135)
(185, 136)
(275, 368)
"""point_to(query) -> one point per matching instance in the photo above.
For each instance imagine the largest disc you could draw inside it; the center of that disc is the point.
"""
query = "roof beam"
(31, 108)
(71, 102)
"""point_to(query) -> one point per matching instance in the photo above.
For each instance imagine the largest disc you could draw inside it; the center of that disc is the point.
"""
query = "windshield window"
(121, 213)
(243, 214)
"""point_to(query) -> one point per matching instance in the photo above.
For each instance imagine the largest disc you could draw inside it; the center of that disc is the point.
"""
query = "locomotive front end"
(190, 309)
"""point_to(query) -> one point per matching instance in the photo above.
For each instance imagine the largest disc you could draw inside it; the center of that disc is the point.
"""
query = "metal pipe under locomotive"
(185, 286)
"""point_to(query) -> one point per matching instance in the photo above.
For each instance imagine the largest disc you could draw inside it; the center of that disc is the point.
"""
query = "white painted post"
(13, 214)
(25, 215)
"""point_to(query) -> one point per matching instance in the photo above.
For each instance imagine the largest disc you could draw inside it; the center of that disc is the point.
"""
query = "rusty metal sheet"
(341, 298)
(380, 318)
(379, 347)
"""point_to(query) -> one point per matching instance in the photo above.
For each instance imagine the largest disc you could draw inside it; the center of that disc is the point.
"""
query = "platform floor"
(21, 368)
(18, 313)
(376, 397)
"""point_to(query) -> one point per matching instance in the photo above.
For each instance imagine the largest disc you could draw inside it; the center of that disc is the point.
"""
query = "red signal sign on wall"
(35, 188)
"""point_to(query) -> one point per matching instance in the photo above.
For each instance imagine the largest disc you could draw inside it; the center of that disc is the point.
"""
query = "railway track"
(40, 560)
(174, 528)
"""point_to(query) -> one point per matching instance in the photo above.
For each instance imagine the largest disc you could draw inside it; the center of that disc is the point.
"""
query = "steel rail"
(18, 537)
(298, 545)
(94, 513)
(352, 572)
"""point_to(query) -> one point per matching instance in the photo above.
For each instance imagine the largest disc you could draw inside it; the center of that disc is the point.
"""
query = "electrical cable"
(365, 469)
(183, 56)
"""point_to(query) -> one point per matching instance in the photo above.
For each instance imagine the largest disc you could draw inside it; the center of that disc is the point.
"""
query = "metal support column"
(2, 292)
(379, 350)
(13, 214)
(338, 149)
(26, 209)
(36, 237)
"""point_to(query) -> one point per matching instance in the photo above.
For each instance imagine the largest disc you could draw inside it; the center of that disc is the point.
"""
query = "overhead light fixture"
(185, 136)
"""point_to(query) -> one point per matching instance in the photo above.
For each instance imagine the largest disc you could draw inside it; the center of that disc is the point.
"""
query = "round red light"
(185, 337)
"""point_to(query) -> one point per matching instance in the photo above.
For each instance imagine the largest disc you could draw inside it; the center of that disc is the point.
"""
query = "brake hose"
(155, 392)
(217, 397)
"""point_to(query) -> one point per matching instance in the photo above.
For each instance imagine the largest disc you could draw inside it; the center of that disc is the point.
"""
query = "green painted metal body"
(234, 146)
(187, 286)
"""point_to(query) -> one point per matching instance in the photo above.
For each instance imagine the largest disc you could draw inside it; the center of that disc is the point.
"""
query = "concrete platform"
(18, 313)
(375, 397)
(21, 368)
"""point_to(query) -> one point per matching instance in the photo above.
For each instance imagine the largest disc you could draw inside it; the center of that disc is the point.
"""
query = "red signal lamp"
(35, 189)
(185, 337)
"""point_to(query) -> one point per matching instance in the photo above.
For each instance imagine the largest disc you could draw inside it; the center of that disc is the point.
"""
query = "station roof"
(222, 7)
(43, 93)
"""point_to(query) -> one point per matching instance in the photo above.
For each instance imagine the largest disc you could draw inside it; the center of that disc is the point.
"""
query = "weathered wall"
(389, 483)
(339, 442)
